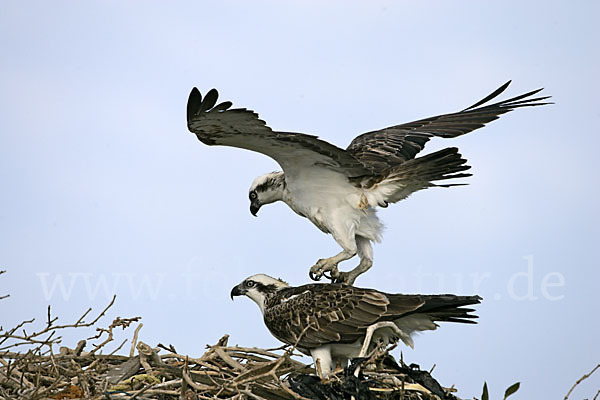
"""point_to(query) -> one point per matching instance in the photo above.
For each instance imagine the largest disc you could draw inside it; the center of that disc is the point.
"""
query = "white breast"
(331, 203)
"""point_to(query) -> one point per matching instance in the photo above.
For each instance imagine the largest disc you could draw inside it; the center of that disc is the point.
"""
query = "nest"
(31, 368)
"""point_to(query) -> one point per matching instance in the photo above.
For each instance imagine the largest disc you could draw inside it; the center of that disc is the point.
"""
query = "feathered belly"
(340, 211)
(317, 216)
(321, 224)
(344, 220)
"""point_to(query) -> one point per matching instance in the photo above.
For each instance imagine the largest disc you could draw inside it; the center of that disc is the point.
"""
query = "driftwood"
(31, 368)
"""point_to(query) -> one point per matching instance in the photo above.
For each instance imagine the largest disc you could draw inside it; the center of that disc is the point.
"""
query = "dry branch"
(584, 377)
(31, 369)
(6, 295)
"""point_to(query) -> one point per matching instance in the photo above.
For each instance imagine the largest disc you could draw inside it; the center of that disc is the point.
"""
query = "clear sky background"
(103, 190)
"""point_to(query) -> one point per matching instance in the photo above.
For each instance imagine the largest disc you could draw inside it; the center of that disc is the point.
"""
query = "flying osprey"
(330, 321)
(338, 190)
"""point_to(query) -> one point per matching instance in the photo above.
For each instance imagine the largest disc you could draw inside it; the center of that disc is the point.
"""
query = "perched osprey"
(329, 321)
(338, 190)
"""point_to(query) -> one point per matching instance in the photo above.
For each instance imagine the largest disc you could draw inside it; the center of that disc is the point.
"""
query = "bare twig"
(6, 295)
(228, 360)
(222, 372)
(118, 347)
(118, 322)
(170, 348)
(50, 330)
(584, 377)
(134, 340)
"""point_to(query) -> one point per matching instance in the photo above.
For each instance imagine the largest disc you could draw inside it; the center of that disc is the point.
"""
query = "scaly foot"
(318, 270)
(348, 278)
(345, 278)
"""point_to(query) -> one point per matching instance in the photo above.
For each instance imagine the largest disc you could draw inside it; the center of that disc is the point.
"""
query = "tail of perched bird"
(450, 308)
(434, 308)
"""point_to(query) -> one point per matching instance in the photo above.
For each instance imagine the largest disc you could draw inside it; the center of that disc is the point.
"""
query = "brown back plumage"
(341, 314)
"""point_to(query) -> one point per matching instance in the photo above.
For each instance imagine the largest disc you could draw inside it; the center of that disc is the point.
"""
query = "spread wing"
(389, 147)
(317, 314)
(219, 124)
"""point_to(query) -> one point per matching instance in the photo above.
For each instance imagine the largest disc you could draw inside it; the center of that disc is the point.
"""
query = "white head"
(258, 288)
(266, 189)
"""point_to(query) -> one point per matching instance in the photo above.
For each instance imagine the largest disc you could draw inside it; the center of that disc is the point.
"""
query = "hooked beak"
(254, 207)
(237, 291)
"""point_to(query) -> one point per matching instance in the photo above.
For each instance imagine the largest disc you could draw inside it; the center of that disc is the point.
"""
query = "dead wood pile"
(32, 368)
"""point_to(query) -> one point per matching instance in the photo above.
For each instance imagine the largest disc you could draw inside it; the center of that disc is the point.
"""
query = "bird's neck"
(259, 300)
(262, 303)
(286, 197)
(278, 190)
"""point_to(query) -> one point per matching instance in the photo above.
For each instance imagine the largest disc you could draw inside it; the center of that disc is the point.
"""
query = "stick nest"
(31, 368)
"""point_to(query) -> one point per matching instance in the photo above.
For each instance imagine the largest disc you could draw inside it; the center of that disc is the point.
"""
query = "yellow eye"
(253, 195)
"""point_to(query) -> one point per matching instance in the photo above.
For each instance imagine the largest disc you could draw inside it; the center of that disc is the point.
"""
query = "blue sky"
(105, 191)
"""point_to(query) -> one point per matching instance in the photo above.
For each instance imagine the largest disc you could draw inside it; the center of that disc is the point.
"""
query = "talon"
(344, 279)
(314, 277)
(324, 267)
(333, 274)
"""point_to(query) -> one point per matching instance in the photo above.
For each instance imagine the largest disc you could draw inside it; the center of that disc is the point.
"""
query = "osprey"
(333, 323)
(339, 190)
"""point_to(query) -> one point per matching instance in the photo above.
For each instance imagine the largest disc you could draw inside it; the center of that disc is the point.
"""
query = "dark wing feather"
(395, 145)
(337, 314)
(238, 127)
(442, 307)
(341, 314)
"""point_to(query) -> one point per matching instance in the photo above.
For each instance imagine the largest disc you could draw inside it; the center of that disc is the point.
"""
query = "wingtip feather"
(489, 97)
(194, 102)
(210, 99)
